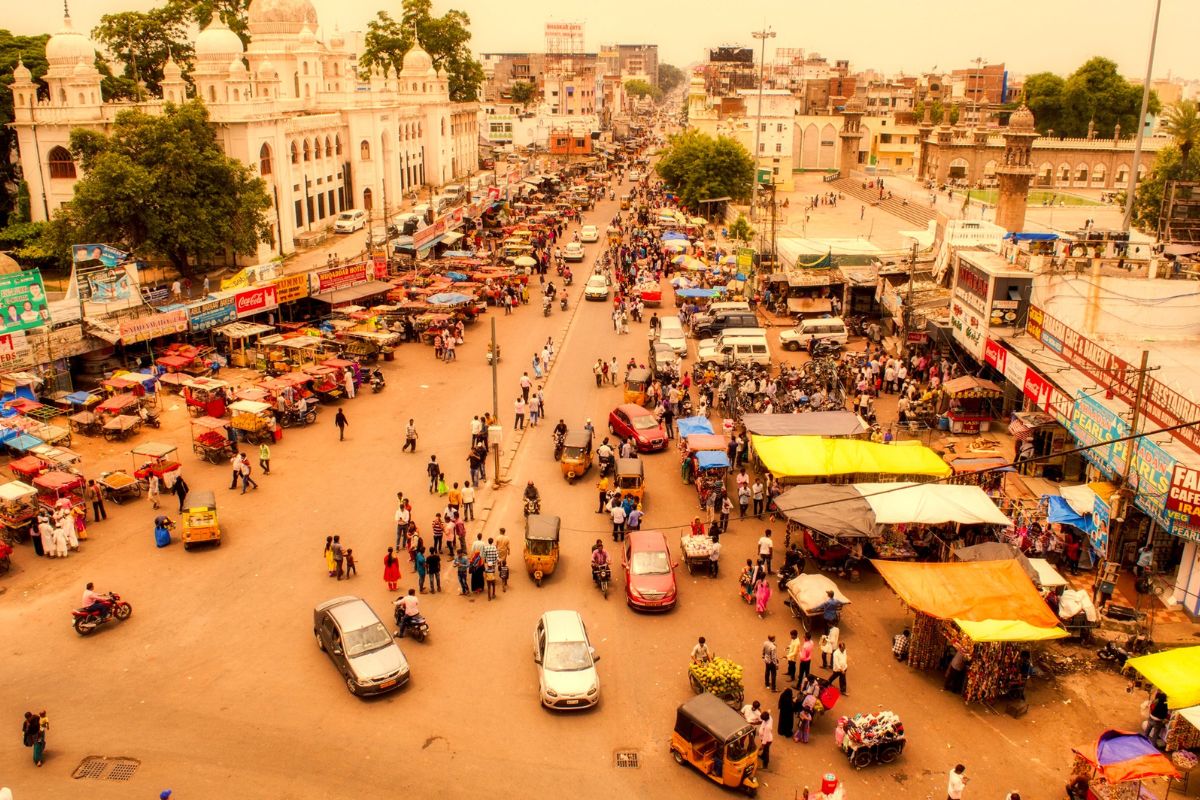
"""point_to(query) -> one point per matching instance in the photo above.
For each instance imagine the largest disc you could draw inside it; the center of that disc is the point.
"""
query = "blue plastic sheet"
(690, 425)
(709, 459)
(1060, 511)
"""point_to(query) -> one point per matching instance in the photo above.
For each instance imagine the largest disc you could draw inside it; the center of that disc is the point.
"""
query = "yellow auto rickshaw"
(576, 458)
(626, 199)
(200, 519)
(541, 545)
(636, 382)
(717, 741)
(630, 477)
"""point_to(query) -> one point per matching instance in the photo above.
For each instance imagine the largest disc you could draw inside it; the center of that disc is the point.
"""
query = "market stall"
(205, 396)
(810, 459)
(18, 507)
(1175, 672)
(243, 341)
(696, 552)
(831, 424)
(1119, 767)
(254, 421)
(209, 440)
(705, 463)
(973, 403)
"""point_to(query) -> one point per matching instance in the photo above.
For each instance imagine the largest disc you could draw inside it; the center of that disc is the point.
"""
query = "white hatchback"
(566, 662)
(573, 252)
(589, 234)
(596, 289)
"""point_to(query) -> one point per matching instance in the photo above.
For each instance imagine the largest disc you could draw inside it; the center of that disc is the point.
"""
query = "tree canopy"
(1096, 93)
(937, 112)
(1151, 190)
(669, 76)
(445, 38)
(638, 88)
(162, 185)
(142, 42)
(698, 167)
(523, 92)
(32, 51)
(1181, 122)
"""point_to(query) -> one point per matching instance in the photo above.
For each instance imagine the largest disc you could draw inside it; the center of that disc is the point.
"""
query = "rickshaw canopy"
(706, 441)
(630, 466)
(201, 498)
(692, 425)
(542, 527)
(249, 407)
(16, 490)
(580, 440)
(709, 713)
(639, 375)
(712, 459)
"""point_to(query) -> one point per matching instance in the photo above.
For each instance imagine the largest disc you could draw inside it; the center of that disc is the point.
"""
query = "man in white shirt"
(956, 784)
(839, 668)
(700, 653)
(765, 546)
(402, 517)
(618, 521)
(410, 605)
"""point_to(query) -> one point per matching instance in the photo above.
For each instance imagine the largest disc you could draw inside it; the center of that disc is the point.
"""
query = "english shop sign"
(255, 300)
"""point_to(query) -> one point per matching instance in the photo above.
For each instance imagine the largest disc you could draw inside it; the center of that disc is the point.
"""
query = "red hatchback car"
(649, 571)
(631, 421)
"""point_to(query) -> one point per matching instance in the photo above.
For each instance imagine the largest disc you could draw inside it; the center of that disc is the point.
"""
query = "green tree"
(1181, 123)
(669, 76)
(523, 92)
(32, 52)
(445, 38)
(142, 42)
(638, 88)
(741, 230)
(1044, 96)
(162, 185)
(1148, 198)
(698, 167)
(937, 112)
(231, 12)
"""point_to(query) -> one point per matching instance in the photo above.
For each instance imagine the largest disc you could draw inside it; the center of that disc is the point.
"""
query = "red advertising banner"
(426, 235)
(252, 301)
(1184, 495)
(342, 277)
(995, 354)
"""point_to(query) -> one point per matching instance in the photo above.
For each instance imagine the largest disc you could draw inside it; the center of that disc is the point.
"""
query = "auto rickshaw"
(576, 457)
(630, 477)
(718, 741)
(200, 519)
(626, 199)
(636, 382)
(541, 545)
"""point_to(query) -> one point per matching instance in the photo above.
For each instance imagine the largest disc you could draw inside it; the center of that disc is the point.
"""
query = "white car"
(589, 234)
(566, 662)
(350, 221)
(573, 252)
(596, 289)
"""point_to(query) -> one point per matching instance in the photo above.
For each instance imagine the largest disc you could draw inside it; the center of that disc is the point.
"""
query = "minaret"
(850, 134)
(1016, 172)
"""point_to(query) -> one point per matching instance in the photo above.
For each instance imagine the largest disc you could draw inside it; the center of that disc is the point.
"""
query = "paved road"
(216, 686)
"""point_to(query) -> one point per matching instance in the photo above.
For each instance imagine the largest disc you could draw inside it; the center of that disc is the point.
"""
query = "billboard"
(22, 301)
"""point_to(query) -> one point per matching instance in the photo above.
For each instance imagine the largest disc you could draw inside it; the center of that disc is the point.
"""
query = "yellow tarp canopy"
(1007, 630)
(996, 593)
(813, 456)
(1176, 672)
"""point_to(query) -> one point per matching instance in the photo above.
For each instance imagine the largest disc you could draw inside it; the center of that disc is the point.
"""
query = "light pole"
(1137, 146)
(762, 36)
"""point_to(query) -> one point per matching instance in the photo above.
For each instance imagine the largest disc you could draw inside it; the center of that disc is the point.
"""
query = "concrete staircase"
(918, 216)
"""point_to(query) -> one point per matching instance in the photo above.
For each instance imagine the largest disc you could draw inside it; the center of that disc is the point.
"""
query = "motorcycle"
(87, 620)
(562, 302)
(533, 505)
(546, 307)
(377, 382)
(606, 465)
(567, 277)
(786, 574)
(559, 440)
(149, 417)
(292, 418)
(602, 576)
(1117, 655)
(825, 347)
(416, 625)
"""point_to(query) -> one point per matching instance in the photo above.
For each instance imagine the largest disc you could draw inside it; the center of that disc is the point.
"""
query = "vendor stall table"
(696, 552)
(118, 404)
(57, 457)
(85, 422)
(209, 440)
(27, 468)
(121, 427)
(18, 507)
(22, 442)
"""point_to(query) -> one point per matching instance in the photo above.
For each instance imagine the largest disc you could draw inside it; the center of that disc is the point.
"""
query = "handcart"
(58, 489)
(85, 422)
(209, 440)
(27, 468)
(118, 486)
(57, 457)
(156, 458)
(696, 551)
(720, 677)
(18, 507)
(125, 403)
(873, 738)
(806, 594)
(121, 427)
(254, 420)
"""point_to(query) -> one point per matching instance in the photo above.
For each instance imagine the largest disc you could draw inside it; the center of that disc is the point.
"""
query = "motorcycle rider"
(409, 606)
(599, 559)
(532, 496)
(94, 602)
(604, 452)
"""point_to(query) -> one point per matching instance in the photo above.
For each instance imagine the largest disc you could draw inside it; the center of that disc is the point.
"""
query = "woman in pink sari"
(762, 593)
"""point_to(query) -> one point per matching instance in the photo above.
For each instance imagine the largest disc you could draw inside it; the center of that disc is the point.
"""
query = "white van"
(735, 345)
(350, 221)
(671, 333)
(831, 328)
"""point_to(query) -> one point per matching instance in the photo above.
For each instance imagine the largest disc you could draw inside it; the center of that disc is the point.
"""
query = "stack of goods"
(719, 676)
(926, 644)
(696, 546)
(993, 671)
(870, 729)
(244, 421)
(894, 544)
(212, 439)
(1181, 735)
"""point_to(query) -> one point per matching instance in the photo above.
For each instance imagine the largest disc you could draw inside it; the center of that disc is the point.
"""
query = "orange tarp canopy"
(970, 590)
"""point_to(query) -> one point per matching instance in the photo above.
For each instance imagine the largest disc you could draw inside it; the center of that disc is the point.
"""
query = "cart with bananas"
(718, 676)
(254, 421)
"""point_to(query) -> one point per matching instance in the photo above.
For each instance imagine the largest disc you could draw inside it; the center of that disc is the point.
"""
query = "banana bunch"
(719, 676)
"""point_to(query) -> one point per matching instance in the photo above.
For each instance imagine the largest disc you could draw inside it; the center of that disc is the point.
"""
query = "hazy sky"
(914, 36)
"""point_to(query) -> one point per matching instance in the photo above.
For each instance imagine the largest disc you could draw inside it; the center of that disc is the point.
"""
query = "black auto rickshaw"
(541, 545)
(637, 380)
(576, 458)
(717, 741)
(630, 477)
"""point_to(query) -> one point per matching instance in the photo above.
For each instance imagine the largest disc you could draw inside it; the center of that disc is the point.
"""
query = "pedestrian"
(97, 498)
(766, 735)
(419, 562)
(433, 571)
(526, 384)
(330, 564)
(460, 567)
(351, 569)
(29, 729)
(838, 669)
(235, 464)
(785, 725)
(247, 481)
(829, 643)
(491, 559)
(439, 531)
(956, 783)
(410, 437)
(153, 488)
(519, 414)
(180, 488)
(618, 522)
(770, 657)
(391, 569)
(804, 718)
(765, 546)
(714, 556)
(804, 659)
(793, 651)
(762, 594)
(339, 555)
(264, 458)
(602, 488)
(468, 501)
(743, 500)
(341, 422)
(434, 471)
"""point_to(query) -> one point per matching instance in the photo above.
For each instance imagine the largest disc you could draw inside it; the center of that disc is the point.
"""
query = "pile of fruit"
(719, 676)
(212, 439)
(247, 422)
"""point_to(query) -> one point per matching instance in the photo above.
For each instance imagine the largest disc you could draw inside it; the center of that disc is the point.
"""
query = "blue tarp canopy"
(710, 459)
(1024, 236)
(24, 442)
(1061, 511)
(674, 236)
(79, 398)
(689, 425)
(698, 292)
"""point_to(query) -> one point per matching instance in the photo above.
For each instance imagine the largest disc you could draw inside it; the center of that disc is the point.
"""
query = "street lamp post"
(762, 36)
(1137, 146)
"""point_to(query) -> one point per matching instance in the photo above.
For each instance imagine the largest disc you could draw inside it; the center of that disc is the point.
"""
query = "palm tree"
(1181, 122)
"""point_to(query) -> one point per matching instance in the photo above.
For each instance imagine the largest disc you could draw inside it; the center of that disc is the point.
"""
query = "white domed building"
(291, 105)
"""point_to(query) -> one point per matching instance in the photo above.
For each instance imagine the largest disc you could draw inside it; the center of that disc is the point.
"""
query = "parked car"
(589, 234)
(596, 289)
(723, 320)
(566, 662)
(573, 252)
(831, 329)
(350, 221)
(631, 421)
(649, 571)
(360, 646)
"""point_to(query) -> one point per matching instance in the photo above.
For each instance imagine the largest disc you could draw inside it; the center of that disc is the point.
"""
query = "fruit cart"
(871, 738)
(254, 420)
(58, 489)
(156, 458)
(18, 507)
(696, 551)
(118, 486)
(720, 677)
(205, 397)
(117, 405)
(121, 427)
(209, 440)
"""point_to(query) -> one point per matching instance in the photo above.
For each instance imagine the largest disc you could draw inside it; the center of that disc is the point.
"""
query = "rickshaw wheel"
(862, 757)
(751, 791)
(187, 545)
(538, 581)
(889, 753)
(678, 756)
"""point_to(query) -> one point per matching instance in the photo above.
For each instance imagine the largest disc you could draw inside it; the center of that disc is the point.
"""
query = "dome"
(21, 72)
(267, 71)
(81, 70)
(306, 35)
(1021, 119)
(280, 16)
(171, 70)
(218, 43)
(337, 40)
(237, 69)
(416, 62)
(69, 46)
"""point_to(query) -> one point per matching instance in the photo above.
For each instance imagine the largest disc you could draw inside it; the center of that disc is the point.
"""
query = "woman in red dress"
(391, 569)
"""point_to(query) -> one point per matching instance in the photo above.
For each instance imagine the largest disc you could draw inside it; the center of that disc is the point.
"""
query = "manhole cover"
(627, 759)
(106, 769)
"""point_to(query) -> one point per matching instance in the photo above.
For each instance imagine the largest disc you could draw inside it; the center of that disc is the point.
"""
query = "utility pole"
(912, 279)
(762, 35)
(1134, 423)
(1141, 129)
(495, 406)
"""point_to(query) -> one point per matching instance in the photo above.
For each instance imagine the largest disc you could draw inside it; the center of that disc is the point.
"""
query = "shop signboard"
(211, 314)
(23, 301)
(1091, 424)
(15, 353)
(427, 235)
(1102, 518)
(995, 354)
(253, 301)
(291, 288)
(1183, 499)
(343, 277)
(745, 258)
(151, 326)
(968, 326)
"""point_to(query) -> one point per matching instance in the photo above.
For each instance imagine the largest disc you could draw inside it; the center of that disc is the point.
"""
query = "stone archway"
(1064, 175)
(1079, 176)
(959, 169)
(1045, 174)
(1099, 173)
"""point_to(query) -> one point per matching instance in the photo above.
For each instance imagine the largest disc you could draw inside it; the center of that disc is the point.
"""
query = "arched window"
(212, 94)
(264, 160)
(307, 151)
(61, 163)
(316, 149)
(364, 150)
(328, 148)
(337, 144)
(367, 205)
(295, 154)
(304, 65)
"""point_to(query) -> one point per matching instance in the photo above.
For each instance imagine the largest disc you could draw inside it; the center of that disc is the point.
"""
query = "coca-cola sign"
(255, 300)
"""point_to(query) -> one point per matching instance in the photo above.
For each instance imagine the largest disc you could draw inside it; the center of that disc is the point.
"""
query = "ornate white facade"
(323, 137)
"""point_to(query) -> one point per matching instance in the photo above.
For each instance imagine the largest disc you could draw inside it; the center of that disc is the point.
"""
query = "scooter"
(149, 418)
(416, 625)
(559, 444)
(567, 277)
(606, 465)
(87, 620)
(1117, 655)
(377, 382)
(533, 505)
(546, 307)
(562, 302)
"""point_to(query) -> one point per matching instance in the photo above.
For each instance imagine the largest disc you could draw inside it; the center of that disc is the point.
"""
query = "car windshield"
(346, 216)
(567, 656)
(366, 640)
(643, 422)
(597, 281)
(652, 563)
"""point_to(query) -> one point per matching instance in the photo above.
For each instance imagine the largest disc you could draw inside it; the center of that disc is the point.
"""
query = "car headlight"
(593, 690)
(551, 693)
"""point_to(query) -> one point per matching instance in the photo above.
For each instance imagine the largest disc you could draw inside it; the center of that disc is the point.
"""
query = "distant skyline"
(913, 37)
